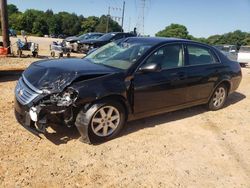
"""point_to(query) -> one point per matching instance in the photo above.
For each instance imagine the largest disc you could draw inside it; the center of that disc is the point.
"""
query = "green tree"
(174, 30)
(17, 21)
(12, 9)
(89, 24)
(30, 16)
(214, 39)
(40, 27)
(70, 24)
(102, 25)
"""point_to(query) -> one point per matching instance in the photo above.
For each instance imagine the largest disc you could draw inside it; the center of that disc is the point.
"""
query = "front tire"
(101, 121)
(218, 98)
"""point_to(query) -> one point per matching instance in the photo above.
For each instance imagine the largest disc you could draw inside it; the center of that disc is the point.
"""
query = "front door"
(165, 88)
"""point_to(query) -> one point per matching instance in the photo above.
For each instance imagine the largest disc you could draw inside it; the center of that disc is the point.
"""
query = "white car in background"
(244, 55)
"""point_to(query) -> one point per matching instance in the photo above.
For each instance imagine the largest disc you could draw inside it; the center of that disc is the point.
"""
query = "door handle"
(182, 75)
(178, 76)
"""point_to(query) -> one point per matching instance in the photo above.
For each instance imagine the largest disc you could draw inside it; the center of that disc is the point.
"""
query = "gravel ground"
(187, 148)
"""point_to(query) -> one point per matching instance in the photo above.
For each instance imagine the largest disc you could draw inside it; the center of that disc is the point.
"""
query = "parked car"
(124, 80)
(73, 41)
(244, 55)
(62, 36)
(229, 50)
(86, 45)
(12, 33)
(53, 36)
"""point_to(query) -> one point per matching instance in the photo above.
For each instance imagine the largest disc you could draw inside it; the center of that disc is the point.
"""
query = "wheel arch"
(118, 98)
(228, 84)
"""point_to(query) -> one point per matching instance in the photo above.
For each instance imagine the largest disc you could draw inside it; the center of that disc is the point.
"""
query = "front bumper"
(44, 116)
(22, 113)
(23, 117)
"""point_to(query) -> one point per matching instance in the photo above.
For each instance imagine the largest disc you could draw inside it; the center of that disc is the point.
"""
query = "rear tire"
(35, 54)
(19, 53)
(53, 54)
(218, 98)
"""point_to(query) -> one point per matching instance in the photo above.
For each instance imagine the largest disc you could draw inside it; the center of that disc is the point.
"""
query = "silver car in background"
(229, 50)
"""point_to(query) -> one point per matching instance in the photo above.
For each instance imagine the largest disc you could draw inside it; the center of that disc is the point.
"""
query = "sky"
(201, 17)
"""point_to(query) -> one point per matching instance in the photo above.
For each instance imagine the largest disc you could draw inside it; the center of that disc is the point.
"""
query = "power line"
(119, 19)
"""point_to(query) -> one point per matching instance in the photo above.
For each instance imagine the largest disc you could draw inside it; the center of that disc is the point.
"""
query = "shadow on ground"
(62, 134)
(10, 75)
(177, 115)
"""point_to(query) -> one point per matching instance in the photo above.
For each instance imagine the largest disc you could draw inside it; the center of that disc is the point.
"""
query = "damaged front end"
(60, 105)
(36, 108)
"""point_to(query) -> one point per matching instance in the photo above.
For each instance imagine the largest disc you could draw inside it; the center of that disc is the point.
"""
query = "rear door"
(203, 70)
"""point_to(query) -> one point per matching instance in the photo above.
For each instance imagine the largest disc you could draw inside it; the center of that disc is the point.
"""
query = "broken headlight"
(66, 98)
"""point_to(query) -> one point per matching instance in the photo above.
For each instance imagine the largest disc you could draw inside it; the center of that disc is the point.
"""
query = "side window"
(199, 55)
(170, 56)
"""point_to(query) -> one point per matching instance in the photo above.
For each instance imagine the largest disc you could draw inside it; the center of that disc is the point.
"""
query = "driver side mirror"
(151, 67)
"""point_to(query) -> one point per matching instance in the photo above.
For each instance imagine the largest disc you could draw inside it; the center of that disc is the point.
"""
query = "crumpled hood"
(55, 75)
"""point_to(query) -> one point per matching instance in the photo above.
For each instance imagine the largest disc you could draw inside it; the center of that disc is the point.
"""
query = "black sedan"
(72, 42)
(125, 80)
(86, 45)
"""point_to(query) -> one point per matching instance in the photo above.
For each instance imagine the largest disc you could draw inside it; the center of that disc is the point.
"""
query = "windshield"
(119, 54)
(94, 36)
(82, 37)
(245, 49)
(107, 36)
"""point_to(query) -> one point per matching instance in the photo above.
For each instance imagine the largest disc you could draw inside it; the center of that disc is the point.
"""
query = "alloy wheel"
(105, 121)
(219, 97)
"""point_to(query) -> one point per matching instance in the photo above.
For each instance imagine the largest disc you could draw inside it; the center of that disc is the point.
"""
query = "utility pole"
(141, 17)
(108, 16)
(123, 10)
(119, 19)
(5, 25)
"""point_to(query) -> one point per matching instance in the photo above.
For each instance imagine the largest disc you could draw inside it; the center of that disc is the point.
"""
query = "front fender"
(99, 88)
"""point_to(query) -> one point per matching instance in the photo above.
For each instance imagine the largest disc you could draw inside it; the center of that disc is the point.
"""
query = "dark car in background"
(12, 33)
(72, 42)
(86, 45)
(124, 80)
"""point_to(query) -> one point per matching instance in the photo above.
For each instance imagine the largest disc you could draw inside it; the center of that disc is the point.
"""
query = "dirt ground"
(187, 148)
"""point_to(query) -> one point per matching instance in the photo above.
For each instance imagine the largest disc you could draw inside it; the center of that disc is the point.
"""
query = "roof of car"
(94, 33)
(156, 40)
(118, 33)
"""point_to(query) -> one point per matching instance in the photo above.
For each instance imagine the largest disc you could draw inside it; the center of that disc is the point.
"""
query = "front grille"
(25, 92)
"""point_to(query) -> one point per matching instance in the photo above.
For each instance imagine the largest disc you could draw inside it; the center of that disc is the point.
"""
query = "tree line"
(47, 22)
(237, 37)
